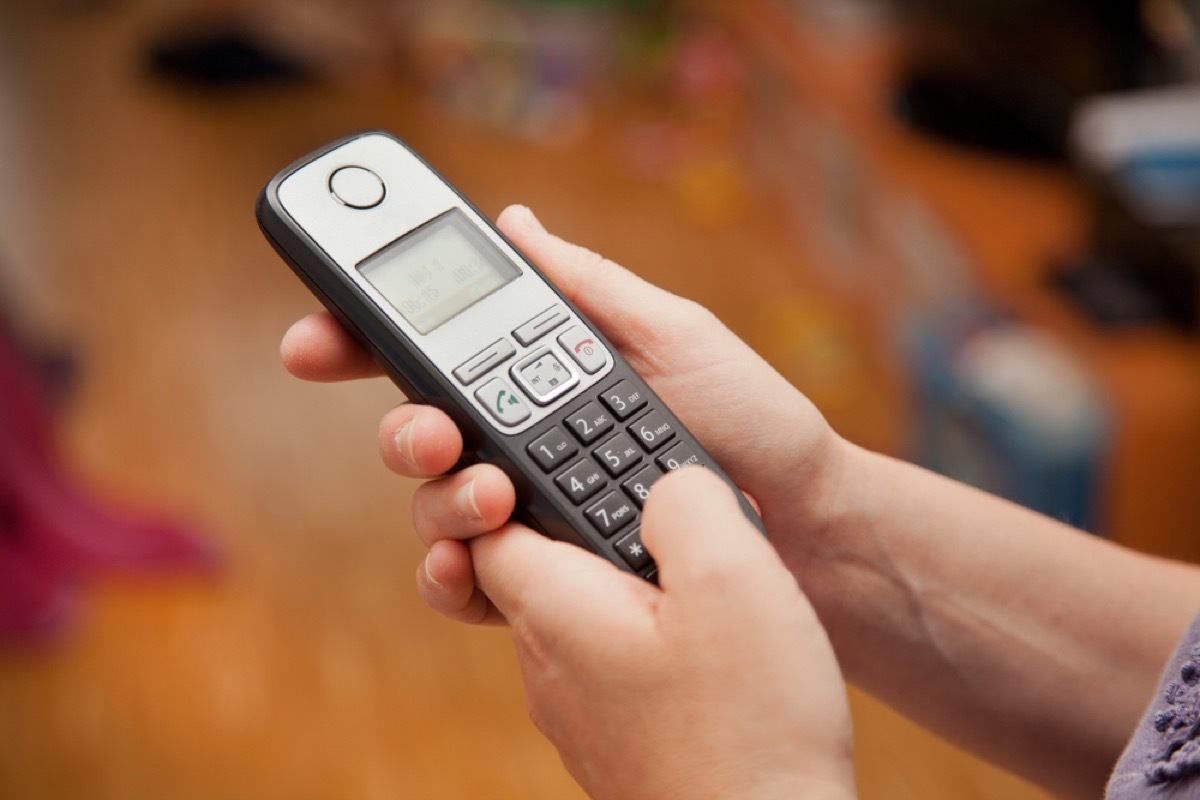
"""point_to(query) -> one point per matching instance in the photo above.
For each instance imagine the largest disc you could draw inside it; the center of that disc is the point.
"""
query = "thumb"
(550, 585)
(697, 532)
(605, 291)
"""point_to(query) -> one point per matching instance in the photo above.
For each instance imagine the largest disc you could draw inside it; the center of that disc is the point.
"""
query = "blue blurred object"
(1006, 408)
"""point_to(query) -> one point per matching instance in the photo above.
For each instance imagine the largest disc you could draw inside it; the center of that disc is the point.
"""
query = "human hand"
(764, 433)
(719, 684)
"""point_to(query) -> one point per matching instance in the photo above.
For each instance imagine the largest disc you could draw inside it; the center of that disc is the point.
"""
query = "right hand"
(766, 435)
(718, 683)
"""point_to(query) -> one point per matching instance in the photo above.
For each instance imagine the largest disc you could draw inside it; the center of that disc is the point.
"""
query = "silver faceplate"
(415, 195)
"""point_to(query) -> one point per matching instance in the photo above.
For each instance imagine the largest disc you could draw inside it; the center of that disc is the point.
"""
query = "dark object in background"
(1082, 47)
(1005, 75)
(987, 112)
(222, 57)
(1136, 273)
(1009, 77)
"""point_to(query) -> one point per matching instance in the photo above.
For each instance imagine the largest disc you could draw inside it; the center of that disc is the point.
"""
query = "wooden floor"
(307, 668)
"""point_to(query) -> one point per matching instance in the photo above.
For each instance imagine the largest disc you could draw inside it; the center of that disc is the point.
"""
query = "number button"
(581, 481)
(654, 430)
(612, 513)
(552, 448)
(624, 399)
(590, 423)
(633, 551)
(618, 454)
(638, 487)
(678, 456)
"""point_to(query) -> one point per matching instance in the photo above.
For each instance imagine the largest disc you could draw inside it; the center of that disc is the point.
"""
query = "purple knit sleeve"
(1162, 761)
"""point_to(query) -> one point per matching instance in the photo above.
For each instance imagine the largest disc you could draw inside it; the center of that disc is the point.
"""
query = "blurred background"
(968, 230)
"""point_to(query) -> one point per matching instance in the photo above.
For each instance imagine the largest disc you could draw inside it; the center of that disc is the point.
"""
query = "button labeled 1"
(502, 402)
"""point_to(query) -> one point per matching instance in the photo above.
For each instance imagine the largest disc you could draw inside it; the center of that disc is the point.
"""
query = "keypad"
(611, 476)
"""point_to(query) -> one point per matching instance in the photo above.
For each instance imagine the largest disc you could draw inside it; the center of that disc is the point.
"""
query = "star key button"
(633, 551)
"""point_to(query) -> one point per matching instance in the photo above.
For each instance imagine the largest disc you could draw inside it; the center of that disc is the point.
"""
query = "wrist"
(820, 504)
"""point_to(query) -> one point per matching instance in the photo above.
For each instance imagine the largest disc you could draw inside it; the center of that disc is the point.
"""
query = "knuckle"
(429, 512)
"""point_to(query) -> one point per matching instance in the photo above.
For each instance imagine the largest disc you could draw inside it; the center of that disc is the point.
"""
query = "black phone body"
(461, 320)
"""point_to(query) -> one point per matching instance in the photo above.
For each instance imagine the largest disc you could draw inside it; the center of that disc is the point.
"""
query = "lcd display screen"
(439, 270)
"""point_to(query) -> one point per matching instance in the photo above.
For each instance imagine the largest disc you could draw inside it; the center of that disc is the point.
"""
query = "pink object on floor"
(51, 532)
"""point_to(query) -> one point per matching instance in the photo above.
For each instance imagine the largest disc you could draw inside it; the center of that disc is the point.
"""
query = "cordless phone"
(461, 320)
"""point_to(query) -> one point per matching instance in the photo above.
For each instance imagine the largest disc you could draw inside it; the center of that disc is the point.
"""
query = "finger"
(446, 582)
(317, 348)
(603, 290)
(698, 534)
(419, 441)
(548, 586)
(475, 500)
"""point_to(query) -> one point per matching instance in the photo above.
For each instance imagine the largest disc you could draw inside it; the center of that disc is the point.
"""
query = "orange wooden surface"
(308, 667)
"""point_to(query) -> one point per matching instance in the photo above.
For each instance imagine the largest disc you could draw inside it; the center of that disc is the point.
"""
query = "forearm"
(1031, 643)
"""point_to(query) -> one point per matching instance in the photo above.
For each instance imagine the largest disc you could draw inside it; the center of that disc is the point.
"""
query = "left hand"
(719, 684)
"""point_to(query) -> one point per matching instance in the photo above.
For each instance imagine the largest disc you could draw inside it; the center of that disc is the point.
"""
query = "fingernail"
(404, 443)
(429, 572)
(465, 504)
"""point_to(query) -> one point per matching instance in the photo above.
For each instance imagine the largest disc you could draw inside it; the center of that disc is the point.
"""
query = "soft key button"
(583, 347)
(540, 325)
(479, 364)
